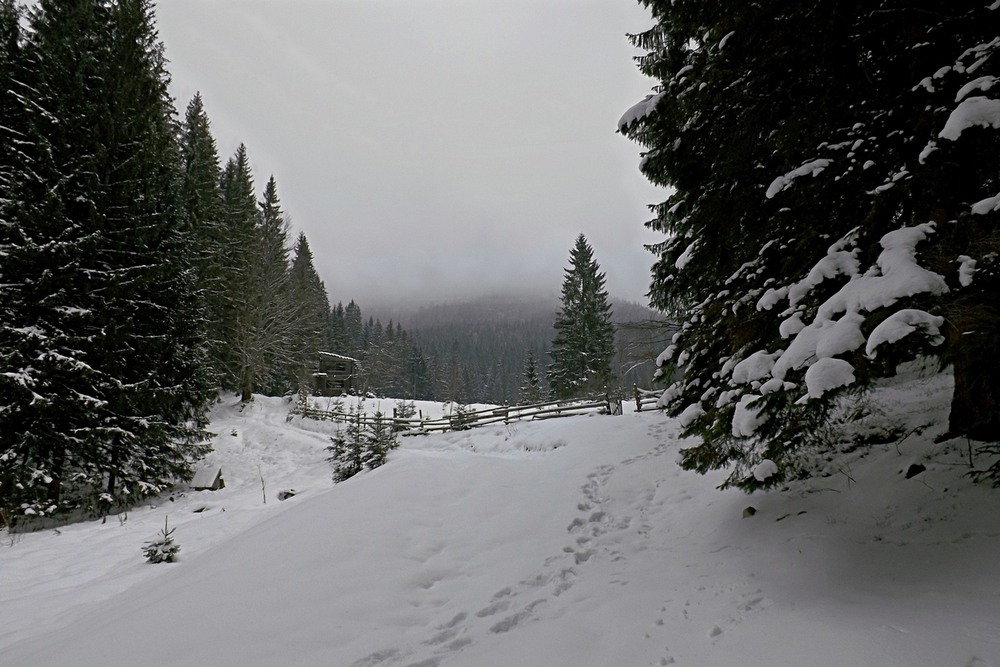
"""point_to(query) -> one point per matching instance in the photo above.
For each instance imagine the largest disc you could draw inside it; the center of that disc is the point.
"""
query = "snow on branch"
(837, 326)
(746, 418)
(975, 111)
(808, 169)
(898, 276)
(639, 111)
(828, 374)
(685, 256)
(983, 83)
(903, 323)
(755, 367)
(987, 205)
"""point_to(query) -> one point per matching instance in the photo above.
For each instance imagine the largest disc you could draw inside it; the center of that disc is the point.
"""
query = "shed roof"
(333, 355)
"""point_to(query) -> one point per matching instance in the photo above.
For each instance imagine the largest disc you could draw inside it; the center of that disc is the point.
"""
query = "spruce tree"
(102, 352)
(336, 331)
(240, 220)
(531, 390)
(203, 215)
(265, 337)
(811, 159)
(354, 329)
(584, 342)
(309, 300)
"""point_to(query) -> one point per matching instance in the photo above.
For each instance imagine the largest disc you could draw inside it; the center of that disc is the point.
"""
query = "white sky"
(431, 149)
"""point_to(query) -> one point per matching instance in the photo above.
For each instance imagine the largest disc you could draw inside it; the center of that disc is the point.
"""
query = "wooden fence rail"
(647, 398)
(463, 419)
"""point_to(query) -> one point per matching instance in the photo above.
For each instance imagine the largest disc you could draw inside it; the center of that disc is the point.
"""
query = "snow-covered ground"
(568, 542)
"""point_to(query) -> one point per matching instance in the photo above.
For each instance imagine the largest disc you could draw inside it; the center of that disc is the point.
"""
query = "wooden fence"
(647, 398)
(465, 419)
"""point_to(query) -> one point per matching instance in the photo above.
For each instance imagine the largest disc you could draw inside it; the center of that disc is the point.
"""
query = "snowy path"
(574, 542)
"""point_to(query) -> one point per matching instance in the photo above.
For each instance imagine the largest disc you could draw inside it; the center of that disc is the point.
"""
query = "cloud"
(431, 150)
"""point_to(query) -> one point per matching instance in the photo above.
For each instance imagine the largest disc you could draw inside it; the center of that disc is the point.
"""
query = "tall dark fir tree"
(584, 342)
(810, 149)
(103, 353)
(203, 216)
(311, 304)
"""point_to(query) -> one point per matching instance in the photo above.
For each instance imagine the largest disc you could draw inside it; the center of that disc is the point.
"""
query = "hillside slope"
(570, 542)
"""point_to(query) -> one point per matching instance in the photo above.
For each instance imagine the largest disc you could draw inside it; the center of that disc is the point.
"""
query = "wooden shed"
(208, 478)
(334, 375)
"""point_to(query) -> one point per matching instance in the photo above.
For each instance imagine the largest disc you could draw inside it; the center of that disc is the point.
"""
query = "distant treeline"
(477, 351)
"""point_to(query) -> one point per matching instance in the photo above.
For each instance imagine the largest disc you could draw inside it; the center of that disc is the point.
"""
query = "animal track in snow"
(500, 602)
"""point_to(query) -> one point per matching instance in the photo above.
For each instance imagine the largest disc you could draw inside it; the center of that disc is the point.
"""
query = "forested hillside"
(477, 350)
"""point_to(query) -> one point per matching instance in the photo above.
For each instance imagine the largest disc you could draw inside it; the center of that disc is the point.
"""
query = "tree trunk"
(975, 356)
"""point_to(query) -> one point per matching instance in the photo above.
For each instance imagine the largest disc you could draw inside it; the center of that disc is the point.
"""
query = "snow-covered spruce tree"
(12, 132)
(275, 319)
(531, 389)
(311, 307)
(103, 358)
(584, 342)
(203, 215)
(347, 456)
(831, 212)
(162, 549)
(263, 331)
(362, 443)
(380, 439)
(240, 219)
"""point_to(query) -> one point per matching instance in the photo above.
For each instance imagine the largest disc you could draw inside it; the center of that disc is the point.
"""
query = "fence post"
(638, 398)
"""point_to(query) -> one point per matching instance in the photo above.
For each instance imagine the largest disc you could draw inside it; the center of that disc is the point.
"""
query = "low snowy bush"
(163, 549)
(365, 442)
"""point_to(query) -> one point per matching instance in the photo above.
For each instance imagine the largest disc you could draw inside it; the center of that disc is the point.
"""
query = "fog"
(431, 150)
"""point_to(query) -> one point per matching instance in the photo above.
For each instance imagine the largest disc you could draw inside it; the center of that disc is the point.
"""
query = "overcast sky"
(431, 149)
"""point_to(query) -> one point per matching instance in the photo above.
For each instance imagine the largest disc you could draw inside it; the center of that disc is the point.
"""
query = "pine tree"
(531, 390)
(203, 214)
(240, 220)
(12, 133)
(362, 443)
(379, 439)
(104, 337)
(347, 448)
(584, 342)
(336, 331)
(264, 336)
(354, 329)
(312, 308)
(808, 149)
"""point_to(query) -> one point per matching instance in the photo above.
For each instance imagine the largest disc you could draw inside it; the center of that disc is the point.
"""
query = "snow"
(755, 367)
(827, 374)
(975, 111)
(765, 470)
(791, 325)
(746, 419)
(983, 83)
(899, 276)
(690, 415)
(771, 298)
(902, 323)
(966, 270)
(808, 169)
(640, 110)
(987, 205)
(836, 263)
(837, 327)
(685, 256)
(566, 542)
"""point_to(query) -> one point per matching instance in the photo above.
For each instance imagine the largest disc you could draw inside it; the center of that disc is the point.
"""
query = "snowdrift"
(575, 541)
